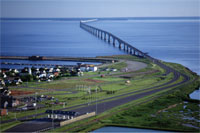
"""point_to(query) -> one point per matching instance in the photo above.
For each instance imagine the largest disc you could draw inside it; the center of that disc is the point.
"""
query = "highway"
(109, 103)
(104, 104)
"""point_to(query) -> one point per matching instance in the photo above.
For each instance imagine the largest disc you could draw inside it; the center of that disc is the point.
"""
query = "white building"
(87, 67)
(94, 68)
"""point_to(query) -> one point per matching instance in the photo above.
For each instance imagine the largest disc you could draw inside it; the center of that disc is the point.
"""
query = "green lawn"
(74, 91)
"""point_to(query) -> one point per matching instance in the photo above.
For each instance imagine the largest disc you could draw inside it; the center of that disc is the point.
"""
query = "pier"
(76, 59)
(44, 65)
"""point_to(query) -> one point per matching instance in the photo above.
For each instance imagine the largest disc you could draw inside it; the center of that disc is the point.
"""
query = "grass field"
(79, 90)
(169, 112)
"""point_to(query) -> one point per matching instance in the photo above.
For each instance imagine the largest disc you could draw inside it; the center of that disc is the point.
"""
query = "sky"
(98, 8)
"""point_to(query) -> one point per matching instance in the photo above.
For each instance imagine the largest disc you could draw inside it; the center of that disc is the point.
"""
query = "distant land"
(108, 18)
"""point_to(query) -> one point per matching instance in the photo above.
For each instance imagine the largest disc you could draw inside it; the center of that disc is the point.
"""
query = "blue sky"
(98, 8)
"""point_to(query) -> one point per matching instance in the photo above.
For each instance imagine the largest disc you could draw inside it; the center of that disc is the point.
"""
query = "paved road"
(103, 106)
(134, 66)
(122, 99)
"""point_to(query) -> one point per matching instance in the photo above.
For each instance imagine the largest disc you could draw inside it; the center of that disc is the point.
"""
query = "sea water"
(170, 40)
(50, 38)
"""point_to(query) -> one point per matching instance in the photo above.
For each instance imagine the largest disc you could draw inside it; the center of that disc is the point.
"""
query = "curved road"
(113, 102)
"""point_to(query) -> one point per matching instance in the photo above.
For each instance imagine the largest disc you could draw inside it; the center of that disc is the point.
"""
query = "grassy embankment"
(70, 84)
(111, 83)
(171, 111)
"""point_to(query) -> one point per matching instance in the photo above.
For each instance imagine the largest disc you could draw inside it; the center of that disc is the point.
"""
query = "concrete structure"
(81, 117)
(112, 39)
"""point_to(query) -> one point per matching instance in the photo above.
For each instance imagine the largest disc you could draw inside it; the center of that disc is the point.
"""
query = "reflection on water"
(124, 129)
(195, 95)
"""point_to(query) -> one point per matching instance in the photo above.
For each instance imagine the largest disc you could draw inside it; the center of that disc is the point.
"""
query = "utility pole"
(96, 100)
(15, 116)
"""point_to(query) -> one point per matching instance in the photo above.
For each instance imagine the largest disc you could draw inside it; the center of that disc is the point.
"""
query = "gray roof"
(70, 113)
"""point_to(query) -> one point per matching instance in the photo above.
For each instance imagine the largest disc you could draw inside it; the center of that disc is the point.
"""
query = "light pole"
(0, 124)
(52, 115)
(35, 104)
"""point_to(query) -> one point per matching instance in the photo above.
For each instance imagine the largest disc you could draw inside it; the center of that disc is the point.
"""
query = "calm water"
(170, 40)
(124, 129)
(39, 62)
(195, 95)
(173, 41)
(50, 38)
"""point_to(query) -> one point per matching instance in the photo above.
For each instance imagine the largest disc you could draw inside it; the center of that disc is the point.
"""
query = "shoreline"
(53, 58)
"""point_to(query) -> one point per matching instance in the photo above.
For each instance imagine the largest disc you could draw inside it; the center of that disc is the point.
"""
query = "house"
(56, 74)
(50, 76)
(50, 70)
(93, 68)
(113, 69)
(4, 75)
(13, 81)
(6, 101)
(7, 82)
(25, 70)
(4, 112)
(14, 71)
(88, 67)
(43, 75)
(17, 81)
(2, 83)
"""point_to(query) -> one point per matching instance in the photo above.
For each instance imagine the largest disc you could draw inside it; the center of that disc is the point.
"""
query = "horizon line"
(77, 18)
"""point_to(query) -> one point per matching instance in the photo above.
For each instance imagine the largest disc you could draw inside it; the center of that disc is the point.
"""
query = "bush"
(110, 92)
(27, 77)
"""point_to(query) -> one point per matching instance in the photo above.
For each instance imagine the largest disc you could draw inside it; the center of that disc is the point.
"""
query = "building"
(6, 100)
(88, 67)
(61, 115)
(35, 58)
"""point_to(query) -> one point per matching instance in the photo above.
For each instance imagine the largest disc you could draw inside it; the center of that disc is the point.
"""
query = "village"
(15, 77)
(16, 100)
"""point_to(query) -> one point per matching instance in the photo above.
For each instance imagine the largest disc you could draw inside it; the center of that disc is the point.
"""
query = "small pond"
(195, 94)
(124, 129)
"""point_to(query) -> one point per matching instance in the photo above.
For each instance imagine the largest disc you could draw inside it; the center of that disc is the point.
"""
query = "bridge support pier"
(127, 49)
(98, 34)
(114, 42)
(108, 39)
(124, 47)
(134, 52)
(120, 46)
(131, 51)
(103, 35)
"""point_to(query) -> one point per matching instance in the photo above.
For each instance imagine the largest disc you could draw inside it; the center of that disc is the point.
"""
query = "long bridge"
(129, 49)
(118, 100)
(112, 39)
